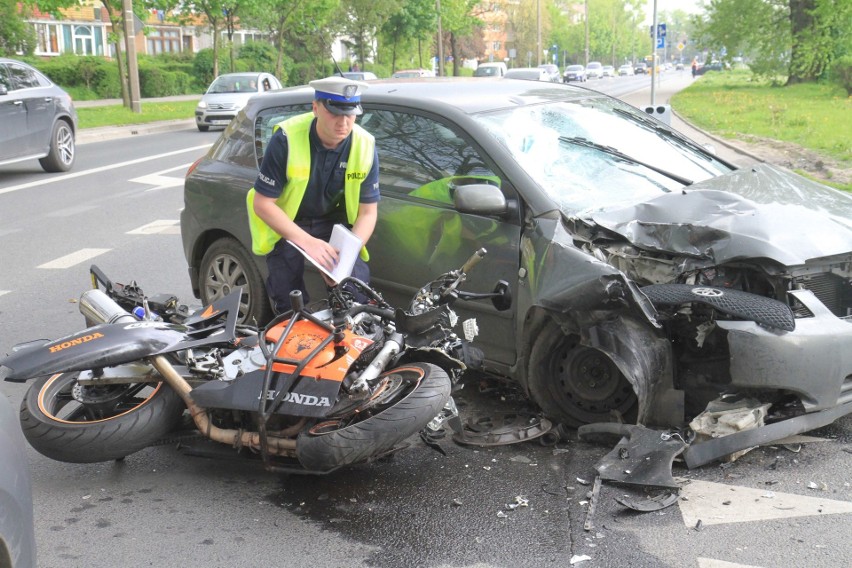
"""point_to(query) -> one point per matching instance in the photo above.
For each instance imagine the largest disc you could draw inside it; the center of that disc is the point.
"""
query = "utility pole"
(130, 49)
(440, 41)
(538, 31)
(654, 55)
(586, 63)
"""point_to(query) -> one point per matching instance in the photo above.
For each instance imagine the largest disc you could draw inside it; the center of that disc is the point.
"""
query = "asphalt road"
(513, 506)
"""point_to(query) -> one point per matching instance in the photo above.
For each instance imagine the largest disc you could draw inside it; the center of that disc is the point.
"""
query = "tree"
(415, 20)
(15, 34)
(799, 38)
(289, 22)
(361, 20)
(460, 24)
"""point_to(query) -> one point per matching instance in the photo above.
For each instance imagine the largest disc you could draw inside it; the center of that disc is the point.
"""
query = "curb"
(720, 140)
(89, 135)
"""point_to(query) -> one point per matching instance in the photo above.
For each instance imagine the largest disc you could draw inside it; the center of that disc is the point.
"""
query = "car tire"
(62, 152)
(226, 264)
(575, 384)
(203, 127)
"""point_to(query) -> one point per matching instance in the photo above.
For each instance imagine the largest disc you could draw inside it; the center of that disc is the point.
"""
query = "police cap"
(339, 95)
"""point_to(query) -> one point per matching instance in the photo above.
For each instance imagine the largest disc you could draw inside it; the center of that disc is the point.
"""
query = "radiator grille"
(831, 289)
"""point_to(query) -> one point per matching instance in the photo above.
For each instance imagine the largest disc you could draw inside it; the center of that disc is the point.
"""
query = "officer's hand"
(323, 253)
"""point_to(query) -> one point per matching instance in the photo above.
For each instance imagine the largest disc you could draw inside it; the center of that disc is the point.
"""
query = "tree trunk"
(801, 27)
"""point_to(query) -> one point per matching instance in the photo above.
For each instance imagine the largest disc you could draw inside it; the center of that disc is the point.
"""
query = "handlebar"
(473, 260)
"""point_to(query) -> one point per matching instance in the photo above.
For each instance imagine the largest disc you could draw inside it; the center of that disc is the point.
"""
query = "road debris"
(577, 558)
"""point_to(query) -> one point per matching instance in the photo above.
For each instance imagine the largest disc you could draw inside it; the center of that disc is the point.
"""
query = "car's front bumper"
(814, 361)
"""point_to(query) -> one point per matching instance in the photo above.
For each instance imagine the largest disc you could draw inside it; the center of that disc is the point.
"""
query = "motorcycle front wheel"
(70, 422)
(408, 399)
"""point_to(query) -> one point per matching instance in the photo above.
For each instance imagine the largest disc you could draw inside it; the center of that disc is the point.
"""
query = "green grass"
(118, 115)
(735, 105)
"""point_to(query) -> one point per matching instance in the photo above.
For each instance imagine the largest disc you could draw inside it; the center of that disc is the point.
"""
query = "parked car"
(574, 73)
(17, 532)
(679, 66)
(360, 75)
(626, 70)
(412, 74)
(648, 276)
(228, 94)
(552, 71)
(713, 66)
(38, 117)
(641, 68)
(594, 70)
(528, 74)
(608, 71)
(490, 69)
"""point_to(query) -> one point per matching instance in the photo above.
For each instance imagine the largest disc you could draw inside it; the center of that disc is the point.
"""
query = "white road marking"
(706, 502)
(712, 563)
(74, 258)
(160, 181)
(2, 292)
(101, 169)
(158, 227)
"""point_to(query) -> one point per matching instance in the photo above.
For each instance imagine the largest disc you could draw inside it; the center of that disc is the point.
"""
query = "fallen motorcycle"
(320, 387)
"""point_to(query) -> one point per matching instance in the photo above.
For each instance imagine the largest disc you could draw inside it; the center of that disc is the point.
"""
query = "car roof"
(466, 94)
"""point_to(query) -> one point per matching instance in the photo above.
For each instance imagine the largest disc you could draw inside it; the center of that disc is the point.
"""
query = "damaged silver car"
(649, 277)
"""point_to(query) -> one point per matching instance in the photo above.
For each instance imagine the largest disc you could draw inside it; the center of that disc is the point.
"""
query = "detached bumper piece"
(642, 457)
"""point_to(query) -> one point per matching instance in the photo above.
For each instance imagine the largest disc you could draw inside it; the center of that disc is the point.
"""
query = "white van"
(491, 69)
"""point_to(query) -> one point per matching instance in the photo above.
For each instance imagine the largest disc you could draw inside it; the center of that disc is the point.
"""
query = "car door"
(39, 101)
(13, 117)
(420, 234)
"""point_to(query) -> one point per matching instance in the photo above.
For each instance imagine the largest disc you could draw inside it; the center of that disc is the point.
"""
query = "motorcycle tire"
(68, 422)
(405, 410)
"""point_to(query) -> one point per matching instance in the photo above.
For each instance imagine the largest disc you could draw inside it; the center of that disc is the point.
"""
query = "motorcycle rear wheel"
(66, 421)
(415, 395)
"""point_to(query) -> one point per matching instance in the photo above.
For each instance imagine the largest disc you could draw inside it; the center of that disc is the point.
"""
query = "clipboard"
(348, 246)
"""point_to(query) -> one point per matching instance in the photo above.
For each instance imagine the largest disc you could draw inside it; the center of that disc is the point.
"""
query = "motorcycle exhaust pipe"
(235, 438)
(97, 308)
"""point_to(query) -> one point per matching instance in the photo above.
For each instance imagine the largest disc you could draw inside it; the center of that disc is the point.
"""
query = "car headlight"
(202, 105)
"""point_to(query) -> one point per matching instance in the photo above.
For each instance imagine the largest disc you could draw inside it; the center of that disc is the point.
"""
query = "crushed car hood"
(762, 212)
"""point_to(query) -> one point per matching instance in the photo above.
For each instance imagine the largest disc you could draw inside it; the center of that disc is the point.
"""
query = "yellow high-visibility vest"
(358, 166)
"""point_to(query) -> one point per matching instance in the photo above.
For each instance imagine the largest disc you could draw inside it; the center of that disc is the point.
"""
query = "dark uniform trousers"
(287, 265)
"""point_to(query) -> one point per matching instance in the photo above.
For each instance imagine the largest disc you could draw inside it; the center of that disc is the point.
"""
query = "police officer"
(319, 169)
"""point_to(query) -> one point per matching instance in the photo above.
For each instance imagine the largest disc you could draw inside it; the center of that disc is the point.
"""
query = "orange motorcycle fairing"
(331, 363)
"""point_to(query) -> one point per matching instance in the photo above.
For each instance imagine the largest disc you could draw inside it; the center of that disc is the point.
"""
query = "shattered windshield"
(583, 178)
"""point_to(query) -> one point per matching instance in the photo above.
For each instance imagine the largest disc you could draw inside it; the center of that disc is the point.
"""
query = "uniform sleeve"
(370, 185)
(273, 169)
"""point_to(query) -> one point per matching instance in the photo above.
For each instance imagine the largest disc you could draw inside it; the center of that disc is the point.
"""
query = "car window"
(23, 77)
(4, 77)
(582, 179)
(265, 122)
(421, 157)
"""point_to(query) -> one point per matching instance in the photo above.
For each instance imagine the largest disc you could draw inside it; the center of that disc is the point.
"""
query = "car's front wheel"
(62, 151)
(225, 266)
(575, 384)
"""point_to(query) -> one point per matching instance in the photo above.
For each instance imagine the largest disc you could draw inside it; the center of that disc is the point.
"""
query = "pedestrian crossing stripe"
(160, 226)
(717, 503)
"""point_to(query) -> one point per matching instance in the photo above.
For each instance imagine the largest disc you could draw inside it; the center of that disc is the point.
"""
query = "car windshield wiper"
(580, 141)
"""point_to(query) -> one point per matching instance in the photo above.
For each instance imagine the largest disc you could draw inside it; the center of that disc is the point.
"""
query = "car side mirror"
(479, 198)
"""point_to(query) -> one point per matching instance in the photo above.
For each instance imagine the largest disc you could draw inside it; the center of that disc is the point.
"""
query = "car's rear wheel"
(225, 266)
(62, 149)
(575, 384)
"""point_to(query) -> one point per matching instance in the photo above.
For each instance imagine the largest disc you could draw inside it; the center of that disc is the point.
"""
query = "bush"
(155, 81)
(841, 73)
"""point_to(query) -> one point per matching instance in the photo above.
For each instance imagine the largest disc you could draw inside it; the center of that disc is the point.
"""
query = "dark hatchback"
(648, 277)
(39, 120)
